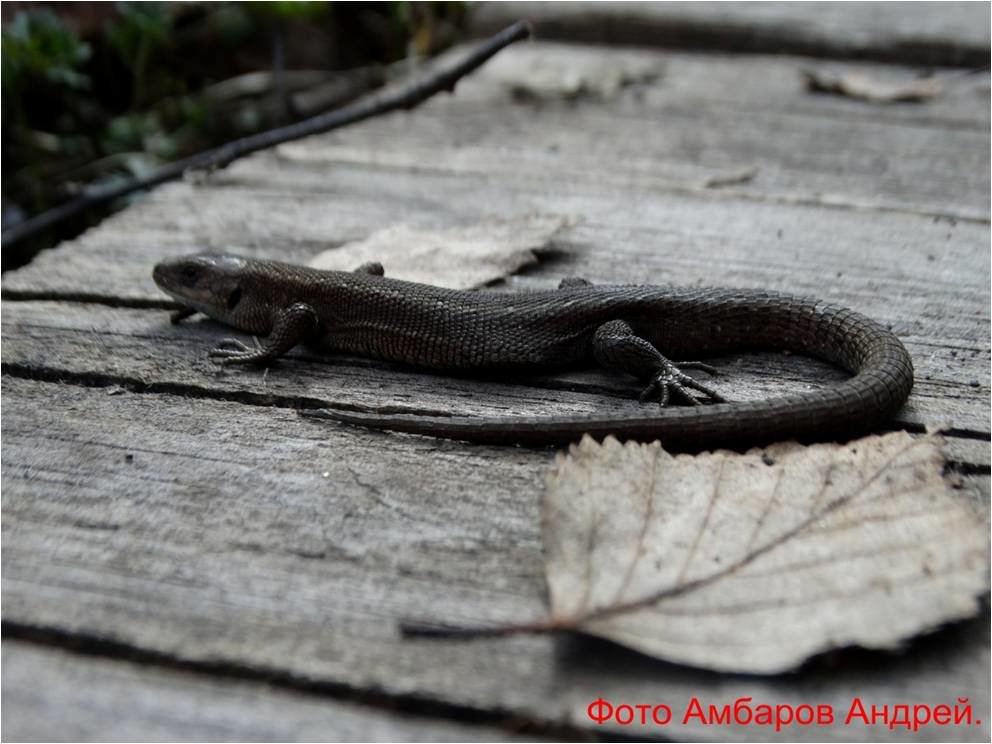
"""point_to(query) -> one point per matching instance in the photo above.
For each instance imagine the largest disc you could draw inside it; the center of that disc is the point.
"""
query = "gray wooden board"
(628, 171)
(279, 545)
(702, 117)
(140, 348)
(245, 534)
(55, 695)
(926, 32)
(939, 306)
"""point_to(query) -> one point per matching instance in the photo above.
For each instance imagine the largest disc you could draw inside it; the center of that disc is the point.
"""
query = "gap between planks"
(421, 710)
(91, 344)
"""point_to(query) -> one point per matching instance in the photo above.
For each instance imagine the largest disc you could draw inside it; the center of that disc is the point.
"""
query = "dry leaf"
(753, 563)
(874, 91)
(735, 178)
(549, 71)
(463, 257)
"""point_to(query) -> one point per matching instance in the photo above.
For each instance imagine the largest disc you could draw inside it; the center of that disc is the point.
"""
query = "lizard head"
(213, 284)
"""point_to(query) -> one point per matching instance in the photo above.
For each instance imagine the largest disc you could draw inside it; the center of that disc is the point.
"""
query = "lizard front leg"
(293, 325)
(178, 316)
(616, 346)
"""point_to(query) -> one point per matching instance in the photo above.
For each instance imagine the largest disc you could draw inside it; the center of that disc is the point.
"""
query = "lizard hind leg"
(616, 346)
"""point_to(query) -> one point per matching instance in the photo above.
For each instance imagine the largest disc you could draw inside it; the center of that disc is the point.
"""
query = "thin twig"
(402, 97)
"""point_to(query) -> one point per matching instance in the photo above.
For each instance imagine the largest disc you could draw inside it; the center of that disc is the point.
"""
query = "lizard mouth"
(209, 283)
(184, 280)
(167, 278)
(161, 276)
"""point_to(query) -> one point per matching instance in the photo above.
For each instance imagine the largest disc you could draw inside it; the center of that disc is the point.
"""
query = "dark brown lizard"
(619, 327)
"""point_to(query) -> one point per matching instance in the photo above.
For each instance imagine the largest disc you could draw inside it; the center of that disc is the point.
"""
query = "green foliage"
(38, 46)
(139, 31)
(139, 131)
(138, 27)
(136, 91)
(232, 22)
(286, 9)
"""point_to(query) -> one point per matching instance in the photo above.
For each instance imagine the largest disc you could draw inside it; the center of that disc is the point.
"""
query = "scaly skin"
(576, 325)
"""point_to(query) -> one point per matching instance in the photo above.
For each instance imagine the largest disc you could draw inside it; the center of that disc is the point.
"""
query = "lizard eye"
(234, 298)
(189, 273)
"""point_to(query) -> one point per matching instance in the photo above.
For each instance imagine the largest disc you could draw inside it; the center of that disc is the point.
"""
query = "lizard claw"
(234, 351)
(707, 368)
(233, 344)
(669, 380)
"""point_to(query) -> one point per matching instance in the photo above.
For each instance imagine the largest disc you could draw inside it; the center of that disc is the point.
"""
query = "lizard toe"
(231, 345)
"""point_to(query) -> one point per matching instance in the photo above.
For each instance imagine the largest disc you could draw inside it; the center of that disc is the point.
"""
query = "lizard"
(621, 328)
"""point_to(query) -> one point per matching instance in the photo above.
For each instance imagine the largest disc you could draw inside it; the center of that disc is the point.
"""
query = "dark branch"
(390, 99)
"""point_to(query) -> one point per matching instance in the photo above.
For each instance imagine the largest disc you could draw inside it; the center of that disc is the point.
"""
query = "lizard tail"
(880, 385)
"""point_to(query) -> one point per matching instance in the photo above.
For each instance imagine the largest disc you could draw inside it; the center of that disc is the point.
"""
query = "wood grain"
(876, 196)
(280, 546)
(140, 348)
(182, 513)
(87, 698)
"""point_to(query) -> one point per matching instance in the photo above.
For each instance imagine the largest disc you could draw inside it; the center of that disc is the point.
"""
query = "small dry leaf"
(734, 178)
(548, 71)
(462, 257)
(874, 91)
(754, 562)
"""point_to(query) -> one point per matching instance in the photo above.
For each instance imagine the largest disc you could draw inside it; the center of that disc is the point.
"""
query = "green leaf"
(38, 46)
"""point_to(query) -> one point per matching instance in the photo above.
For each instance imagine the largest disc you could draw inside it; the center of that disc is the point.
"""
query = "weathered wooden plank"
(141, 348)
(919, 33)
(645, 237)
(701, 117)
(206, 529)
(54, 695)
(939, 305)
(629, 173)
(213, 531)
(55, 340)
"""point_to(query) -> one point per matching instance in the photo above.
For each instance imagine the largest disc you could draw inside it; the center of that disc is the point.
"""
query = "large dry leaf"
(464, 257)
(754, 562)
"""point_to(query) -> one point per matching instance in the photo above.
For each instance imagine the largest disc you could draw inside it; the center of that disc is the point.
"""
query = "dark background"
(95, 93)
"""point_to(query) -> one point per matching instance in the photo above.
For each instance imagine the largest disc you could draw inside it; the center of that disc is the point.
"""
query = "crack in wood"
(677, 30)
(410, 704)
(30, 295)
(309, 406)
(141, 387)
